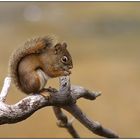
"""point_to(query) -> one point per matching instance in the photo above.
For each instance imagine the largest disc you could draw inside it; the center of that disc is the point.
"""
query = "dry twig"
(64, 98)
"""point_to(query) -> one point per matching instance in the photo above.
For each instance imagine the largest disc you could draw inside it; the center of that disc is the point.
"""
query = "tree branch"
(64, 98)
(64, 122)
(21, 110)
(5, 89)
(94, 126)
(78, 92)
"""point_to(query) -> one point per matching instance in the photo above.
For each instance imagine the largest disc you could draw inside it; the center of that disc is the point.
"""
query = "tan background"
(103, 38)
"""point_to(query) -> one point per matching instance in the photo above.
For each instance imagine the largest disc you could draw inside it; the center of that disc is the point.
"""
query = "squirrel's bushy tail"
(32, 46)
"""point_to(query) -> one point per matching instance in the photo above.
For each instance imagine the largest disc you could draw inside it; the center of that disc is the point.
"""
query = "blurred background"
(103, 38)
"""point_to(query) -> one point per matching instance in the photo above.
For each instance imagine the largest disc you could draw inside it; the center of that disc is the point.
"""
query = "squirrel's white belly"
(43, 78)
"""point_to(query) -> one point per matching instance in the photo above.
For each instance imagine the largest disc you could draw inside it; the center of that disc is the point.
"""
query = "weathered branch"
(5, 89)
(78, 92)
(64, 98)
(64, 122)
(94, 126)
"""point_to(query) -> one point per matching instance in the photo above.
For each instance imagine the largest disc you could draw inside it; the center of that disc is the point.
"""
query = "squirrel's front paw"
(67, 72)
(50, 89)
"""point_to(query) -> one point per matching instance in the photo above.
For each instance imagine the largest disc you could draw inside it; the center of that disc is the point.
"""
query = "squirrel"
(39, 59)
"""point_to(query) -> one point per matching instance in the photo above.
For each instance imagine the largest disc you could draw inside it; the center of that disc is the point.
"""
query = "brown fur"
(38, 53)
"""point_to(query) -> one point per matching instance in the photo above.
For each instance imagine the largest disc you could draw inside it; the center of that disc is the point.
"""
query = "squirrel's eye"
(64, 59)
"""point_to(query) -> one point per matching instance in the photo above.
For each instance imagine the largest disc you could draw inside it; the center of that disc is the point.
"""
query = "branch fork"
(64, 98)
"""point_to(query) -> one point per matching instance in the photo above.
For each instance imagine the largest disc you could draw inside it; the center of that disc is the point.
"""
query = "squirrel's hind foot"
(46, 92)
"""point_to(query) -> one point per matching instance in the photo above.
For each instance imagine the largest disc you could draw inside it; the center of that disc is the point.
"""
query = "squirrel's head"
(60, 61)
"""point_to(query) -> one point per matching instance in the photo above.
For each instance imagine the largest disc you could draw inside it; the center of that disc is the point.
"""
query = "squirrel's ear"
(64, 45)
(57, 48)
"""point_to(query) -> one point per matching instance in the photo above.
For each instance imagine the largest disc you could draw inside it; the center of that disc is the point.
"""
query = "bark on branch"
(65, 98)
